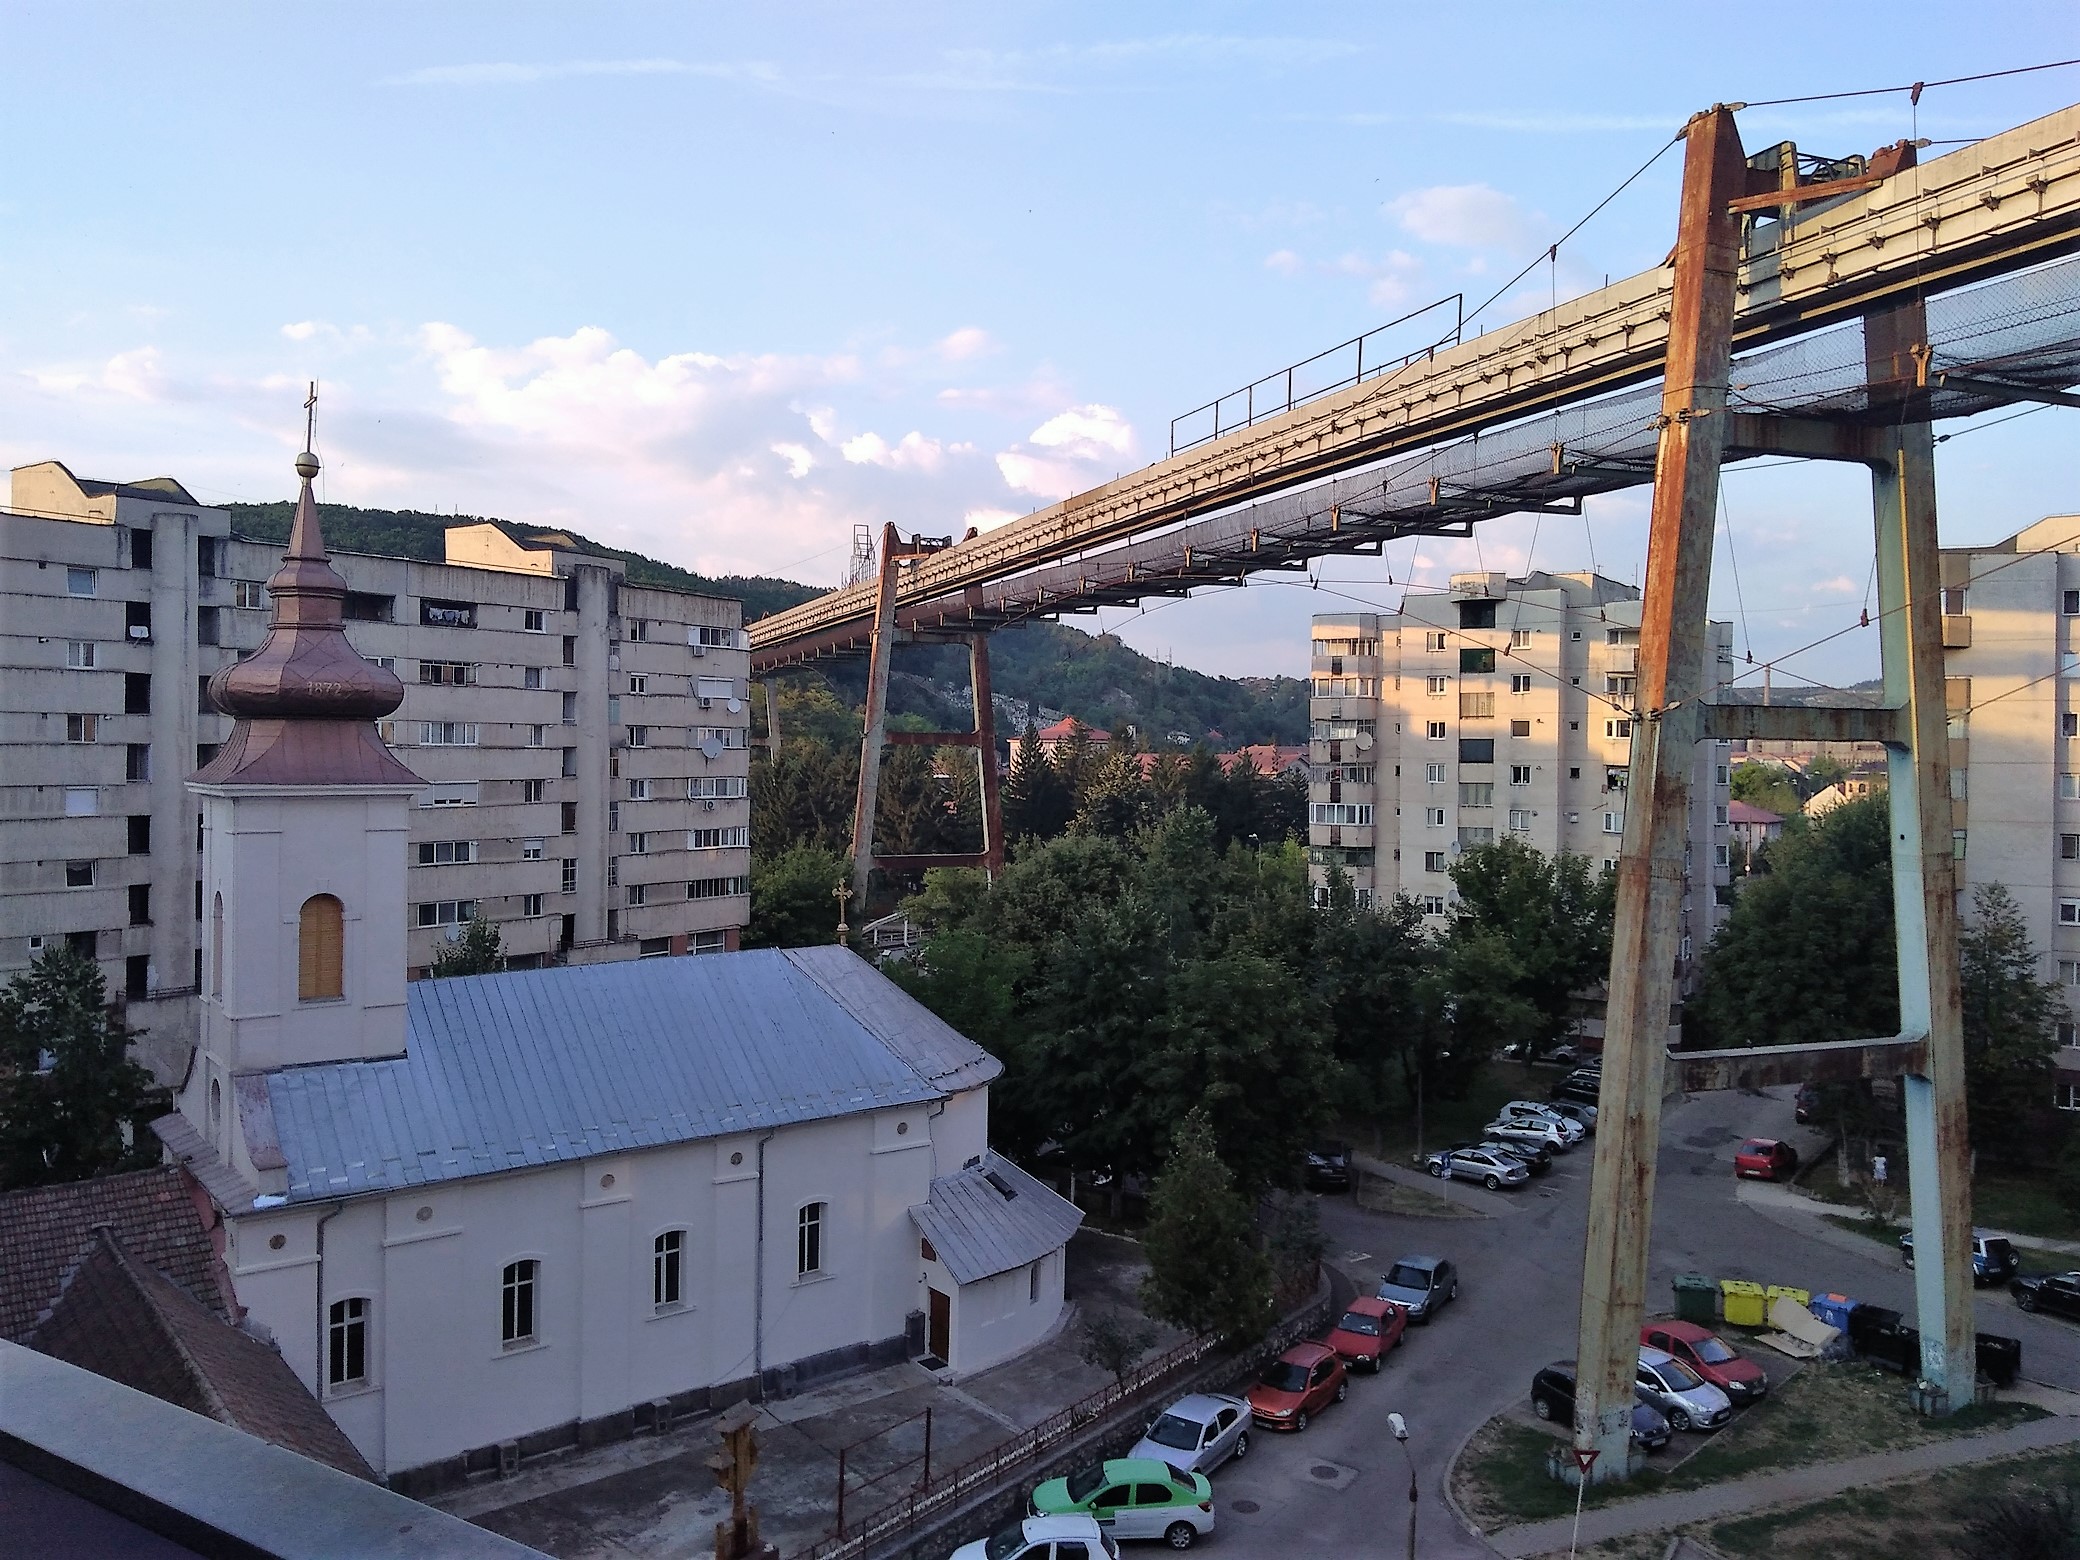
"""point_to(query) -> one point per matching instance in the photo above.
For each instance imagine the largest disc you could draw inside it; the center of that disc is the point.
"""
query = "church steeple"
(305, 701)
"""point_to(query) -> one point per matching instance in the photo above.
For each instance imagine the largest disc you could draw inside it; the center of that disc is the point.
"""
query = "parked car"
(1545, 1134)
(1710, 1356)
(1552, 1397)
(1533, 1157)
(1691, 1402)
(1133, 1497)
(1993, 1259)
(1583, 1088)
(2058, 1293)
(1804, 1104)
(1197, 1433)
(1368, 1332)
(1327, 1167)
(1562, 1056)
(1043, 1538)
(1492, 1170)
(1421, 1285)
(1765, 1159)
(1297, 1385)
(1575, 1111)
(1531, 1110)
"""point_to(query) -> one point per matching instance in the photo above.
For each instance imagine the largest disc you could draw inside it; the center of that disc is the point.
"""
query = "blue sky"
(717, 282)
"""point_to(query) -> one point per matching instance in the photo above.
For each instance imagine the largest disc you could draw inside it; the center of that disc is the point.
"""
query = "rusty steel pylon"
(1697, 425)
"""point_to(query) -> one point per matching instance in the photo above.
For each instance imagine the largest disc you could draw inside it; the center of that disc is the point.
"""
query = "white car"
(1076, 1537)
(1197, 1433)
(1689, 1401)
(1524, 1129)
(1517, 1110)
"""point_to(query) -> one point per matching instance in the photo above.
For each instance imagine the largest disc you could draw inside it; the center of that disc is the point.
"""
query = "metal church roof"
(992, 1217)
(542, 1067)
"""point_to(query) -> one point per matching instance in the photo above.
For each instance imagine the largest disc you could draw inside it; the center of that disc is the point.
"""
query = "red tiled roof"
(118, 1319)
(1747, 812)
(42, 1229)
(1060, 730)
(1266, 757)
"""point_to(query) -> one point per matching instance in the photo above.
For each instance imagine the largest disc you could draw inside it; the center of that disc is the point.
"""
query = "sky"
(718, 283)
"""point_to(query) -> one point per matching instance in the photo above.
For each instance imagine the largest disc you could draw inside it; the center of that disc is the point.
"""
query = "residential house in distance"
(1752, 827)
(1057, 736)
(1499, 708)
(503, 1214)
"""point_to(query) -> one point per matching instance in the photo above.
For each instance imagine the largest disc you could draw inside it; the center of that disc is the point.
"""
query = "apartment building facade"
(1499, 708)
(584, 739)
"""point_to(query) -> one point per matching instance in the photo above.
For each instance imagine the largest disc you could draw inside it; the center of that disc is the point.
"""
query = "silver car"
(1522, 1129)
(1198, 1433)
(1522, 1110)
(1689, 1401)
(1494, 1170)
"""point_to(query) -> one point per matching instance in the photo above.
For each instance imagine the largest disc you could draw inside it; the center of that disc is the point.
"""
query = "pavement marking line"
(981, 1407)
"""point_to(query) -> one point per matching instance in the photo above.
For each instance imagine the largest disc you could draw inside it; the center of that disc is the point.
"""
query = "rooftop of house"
(1064, 728)
(542, 1067)
(1738, 811)
(991, 1217)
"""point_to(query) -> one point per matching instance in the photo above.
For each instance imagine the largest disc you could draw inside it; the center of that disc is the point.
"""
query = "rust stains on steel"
(1806, 722)
(1766, 1066)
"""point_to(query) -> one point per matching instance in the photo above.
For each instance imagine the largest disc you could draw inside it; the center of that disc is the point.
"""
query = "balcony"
(1957, 631)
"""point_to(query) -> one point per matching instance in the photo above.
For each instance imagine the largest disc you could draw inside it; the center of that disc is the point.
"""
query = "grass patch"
(2033, 1257)
(1375, 1194)
(1825, 1413)
(2001, 1200)
(1393, 1137)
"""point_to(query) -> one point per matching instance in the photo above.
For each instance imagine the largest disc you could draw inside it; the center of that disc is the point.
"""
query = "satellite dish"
(711, 748)
(736, 706)
(1364, 741)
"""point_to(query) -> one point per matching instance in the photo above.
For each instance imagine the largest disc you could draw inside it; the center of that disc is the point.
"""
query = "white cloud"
(797, 456)
(1086, 429)
(1840, 585)
(301, 330)
(911, 452)
(135, 375)
(1285, 262)
(1470, 216)
(970, 341)
(988, 519)
(1071, 451)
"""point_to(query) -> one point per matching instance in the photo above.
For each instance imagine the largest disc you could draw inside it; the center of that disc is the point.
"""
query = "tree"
(480, 950)
(1769, 786)
(1113, 1341)
(1036, 800)
(72, 1102)
(2010, 1024)
(792, 903)
(1546, 919)
(1205, 1273)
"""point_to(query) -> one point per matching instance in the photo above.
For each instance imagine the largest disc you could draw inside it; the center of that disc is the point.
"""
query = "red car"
(1765, 1159)
(1297, 1385)
(1742, 1380)
(1369, 1329)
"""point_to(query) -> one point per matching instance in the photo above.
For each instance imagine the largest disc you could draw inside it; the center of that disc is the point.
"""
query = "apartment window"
(2068, 785)
(737, 838)
(531, 676)
(447, 614)
(1719, 813)
(1620, 687)
(569, 769)
(1476, 706)
(718, 887)
(2069, 972)
(320, 936)
(531, 906)
(667, 1254)
(714, 638)
(1720, 775)
(537, 736)
(1519, 774)
(534, 621)
(448, 733)
(1476, 795)
(1520, 639)
(638, 894)
(204, 704)
(450, 674)
(2069, 723)
(139, 827)
(137, 764)
(82, 728)
(570, 709)
(79, 582)
(2065, 1096)
(530, 850)
(1476, 750)
(639, 790)
(79, 874)
(1433, 774)
(613, 817)
(249, 593)
(1719, 856)
(639, 630)
(1614, 823)
(1478, 658)
(533, 790)
(1434, 731)
(346, 1344)
(1471, 837)
(140, 904)
(1434, 641)
(1617, 728)
(1435, 686)
(79, 653)
(450, 793)
(1520, 820)
(82, 801)
(570, 817)
(1519, 682)
(1617, 777)
(2069, 603)
(639, 844)
(638, 682)
(1957, 844)
(205, 752)
(2069, 912)
(1477, 614)
(2069, 847)
(1433, 904)
(1356, 813)
(1433, 817)
(1433, 861)
(447, 912)
(638, 736)
(517, 1311)
(570, 875)
(446, 853)
(570, 649)
(808, 1240)
(707, 942)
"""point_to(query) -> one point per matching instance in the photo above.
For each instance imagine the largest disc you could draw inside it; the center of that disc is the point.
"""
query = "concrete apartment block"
(583, 739)
(1499, 707)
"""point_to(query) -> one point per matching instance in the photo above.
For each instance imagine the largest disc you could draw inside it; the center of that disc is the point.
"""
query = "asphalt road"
(1339, 1490)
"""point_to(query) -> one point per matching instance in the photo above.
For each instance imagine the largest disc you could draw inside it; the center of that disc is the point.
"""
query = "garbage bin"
(2000, 1359)
(1835, 1310)
(1867, 1322)
(1803, 1297)
(1697, 1299)
(1742, 1302)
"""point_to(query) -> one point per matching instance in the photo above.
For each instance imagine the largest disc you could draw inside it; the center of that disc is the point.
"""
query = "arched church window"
(318, 939)
(216, 948)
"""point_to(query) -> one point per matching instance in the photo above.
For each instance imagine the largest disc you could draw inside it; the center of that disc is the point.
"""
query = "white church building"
(494, 1215)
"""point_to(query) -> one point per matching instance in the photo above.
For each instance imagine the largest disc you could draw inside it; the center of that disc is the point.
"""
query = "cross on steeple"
(310, 416)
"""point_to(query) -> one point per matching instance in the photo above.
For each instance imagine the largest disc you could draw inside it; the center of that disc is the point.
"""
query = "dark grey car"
(1421, 1285)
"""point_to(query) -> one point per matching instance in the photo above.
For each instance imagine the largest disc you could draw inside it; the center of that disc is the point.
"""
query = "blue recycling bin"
(1835, 1310)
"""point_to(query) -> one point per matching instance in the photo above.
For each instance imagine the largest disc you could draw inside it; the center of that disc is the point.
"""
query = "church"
(494, 1215)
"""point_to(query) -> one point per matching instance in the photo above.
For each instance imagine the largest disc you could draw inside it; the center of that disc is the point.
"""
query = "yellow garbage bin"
(1804, 1297)
(1741, 1302)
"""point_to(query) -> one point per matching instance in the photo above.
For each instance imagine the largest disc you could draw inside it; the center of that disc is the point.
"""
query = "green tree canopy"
(1540, 924)
(72, 1102)
(1205, 1272)
(792, 903)
(479, 950)
(2010, 1025)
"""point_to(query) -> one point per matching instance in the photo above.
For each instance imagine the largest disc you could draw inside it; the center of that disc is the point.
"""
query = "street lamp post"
(1401, 1434)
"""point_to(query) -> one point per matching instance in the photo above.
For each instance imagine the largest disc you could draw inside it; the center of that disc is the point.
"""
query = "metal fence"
(980, 1476)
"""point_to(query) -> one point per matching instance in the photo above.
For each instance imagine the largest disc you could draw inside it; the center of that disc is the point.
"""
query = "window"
(79, 653)
(639, 630)
(1434, 731)
(531, 906)
(82, 728)
(249, 593)
(2069, 847)
(1957, 844)
(718, 839)
(1519, 774)
(1434, 773)
(570, 649)
(139, 830)
(1476, 795)
(1719, 813)
(808, 1240)
(79, 582)
(1433, 817)
(1719, 856)
(1477, 614)
(570, 817)
(79, 874)
(452, 674)
(1359, 813)
(1620, 687)
(537, 735)
(1433, 861)
(1434, 641)
(666, 1255)
(346, 1344)
(1720, 775)
(2065, 1096)
(2069, 912)
(447, 912)
(2069, 603)
(517, 1315)
(1519, 682)
(1435, 686)
(534, 621)
(530, 850)
(1477, 659)
(638, 736)
(568, 766)
(2069, 972)
(713, 638)
(140, 904)
(447, 614)
(1613, 823)
(320, 934)
(2069, 723)
(639, 790)
(1520, 820)
(570, 875)
(639, 844)
(137, 763)
(82, 801)
(707, 942)
(638, 683)
(1471, 837)
(1617, 777)
(1433, 904)
(716, 787)
(448, 733)
(450, 793)
(718, 887)
(1476, 706)
(1033, 1298)
(638, 894)
(1476, 750)
(721, 690)
(446, 853)
(1617, 728)
(1520, 639)
(533, 790)
(531, 676)
(2068, 784)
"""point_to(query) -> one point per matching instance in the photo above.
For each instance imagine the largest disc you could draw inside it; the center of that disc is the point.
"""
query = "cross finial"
(310, 416)
(843, 894)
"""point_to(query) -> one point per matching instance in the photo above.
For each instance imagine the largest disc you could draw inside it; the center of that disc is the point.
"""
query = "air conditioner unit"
(697, 648)
(708, 806)
(140, 631)
(707, 704)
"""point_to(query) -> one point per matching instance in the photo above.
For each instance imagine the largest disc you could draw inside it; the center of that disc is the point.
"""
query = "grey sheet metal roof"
(540, 1067)
(978, 1231)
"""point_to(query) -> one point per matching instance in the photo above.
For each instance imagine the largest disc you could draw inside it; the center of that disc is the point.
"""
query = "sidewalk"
(1768, 1194)
(1460, 1193)
(1660, 1513)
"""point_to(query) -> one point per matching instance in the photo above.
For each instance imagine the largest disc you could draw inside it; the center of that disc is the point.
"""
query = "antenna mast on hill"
(861, 567)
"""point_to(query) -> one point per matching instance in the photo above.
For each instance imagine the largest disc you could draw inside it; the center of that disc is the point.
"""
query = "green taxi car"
(1134, 1497)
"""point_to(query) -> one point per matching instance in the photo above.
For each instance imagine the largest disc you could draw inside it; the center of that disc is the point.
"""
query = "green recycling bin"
(1742, 1302)
(1697, 1299)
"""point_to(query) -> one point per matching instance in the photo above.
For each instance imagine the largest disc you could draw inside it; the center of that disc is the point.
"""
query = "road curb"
(1451, 1468)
